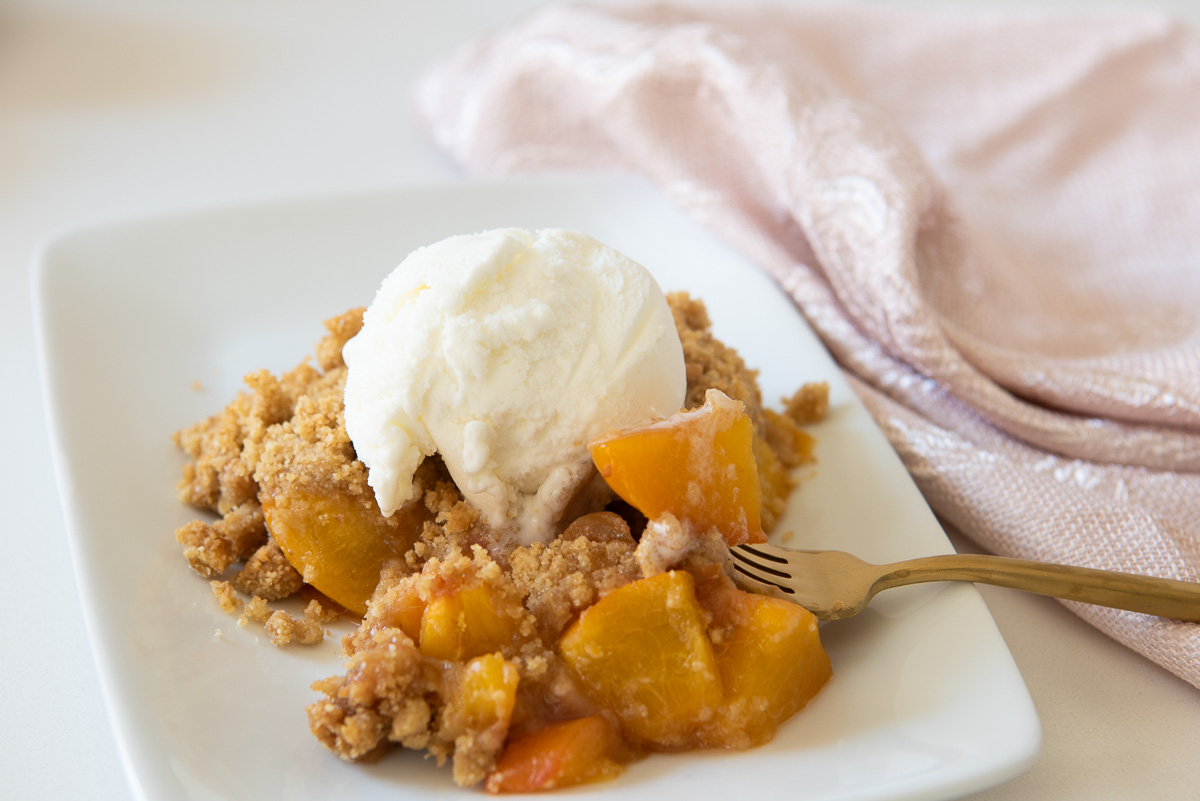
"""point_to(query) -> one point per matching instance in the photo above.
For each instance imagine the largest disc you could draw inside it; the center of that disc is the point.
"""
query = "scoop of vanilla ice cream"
(506, 352)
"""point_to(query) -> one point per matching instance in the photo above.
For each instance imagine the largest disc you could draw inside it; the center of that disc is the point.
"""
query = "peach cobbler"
(521, 468)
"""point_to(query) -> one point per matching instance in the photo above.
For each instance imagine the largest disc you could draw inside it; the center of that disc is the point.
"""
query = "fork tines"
(749, 561)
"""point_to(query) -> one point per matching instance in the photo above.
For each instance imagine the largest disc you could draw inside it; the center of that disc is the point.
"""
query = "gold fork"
(834, 585)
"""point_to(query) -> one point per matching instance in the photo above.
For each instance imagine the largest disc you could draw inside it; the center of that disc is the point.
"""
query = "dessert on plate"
(520, 469)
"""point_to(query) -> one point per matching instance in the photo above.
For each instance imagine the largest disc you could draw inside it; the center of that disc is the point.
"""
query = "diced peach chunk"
(642, 652)
(339, 542)
(560, 755)
(480, 696)
(468, 621)
(770, 659)
(698, 465)
(772, 665)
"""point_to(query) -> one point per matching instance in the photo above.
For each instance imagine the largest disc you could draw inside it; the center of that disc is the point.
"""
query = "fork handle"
(1148, 594)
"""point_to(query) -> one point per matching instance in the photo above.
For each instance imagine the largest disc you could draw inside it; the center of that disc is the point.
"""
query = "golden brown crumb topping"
(710, 363)
(268, 574)
(809, 404)
(308, 629)
(592, 557)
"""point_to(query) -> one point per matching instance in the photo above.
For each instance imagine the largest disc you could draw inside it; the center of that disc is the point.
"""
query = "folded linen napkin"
(992, 221)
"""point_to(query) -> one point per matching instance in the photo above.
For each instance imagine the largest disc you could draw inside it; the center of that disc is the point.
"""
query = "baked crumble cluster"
(464, 646)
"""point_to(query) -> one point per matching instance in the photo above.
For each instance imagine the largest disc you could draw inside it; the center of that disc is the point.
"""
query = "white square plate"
(148, 326)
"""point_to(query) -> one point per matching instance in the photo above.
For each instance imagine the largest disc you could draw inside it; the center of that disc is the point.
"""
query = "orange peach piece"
(468, 621)
(771, 663)
(642, 652)
(698, 465)
(563, 754)
(480, 695)
(338, 542)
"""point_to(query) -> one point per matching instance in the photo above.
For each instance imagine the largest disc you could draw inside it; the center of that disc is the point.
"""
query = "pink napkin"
(993, 222)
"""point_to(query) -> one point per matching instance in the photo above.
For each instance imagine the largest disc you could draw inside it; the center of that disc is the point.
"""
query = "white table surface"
(124, 108)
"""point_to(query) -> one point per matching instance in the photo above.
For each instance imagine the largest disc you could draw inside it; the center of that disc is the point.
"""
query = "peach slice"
(772, 664)
(339, 542)
(642, 652)
(468, 621)
(480, 695)
(562, 754)
(698, 465)
(770, 659)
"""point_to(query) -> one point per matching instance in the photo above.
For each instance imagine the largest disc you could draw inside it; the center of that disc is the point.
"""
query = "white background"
(118, 109)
